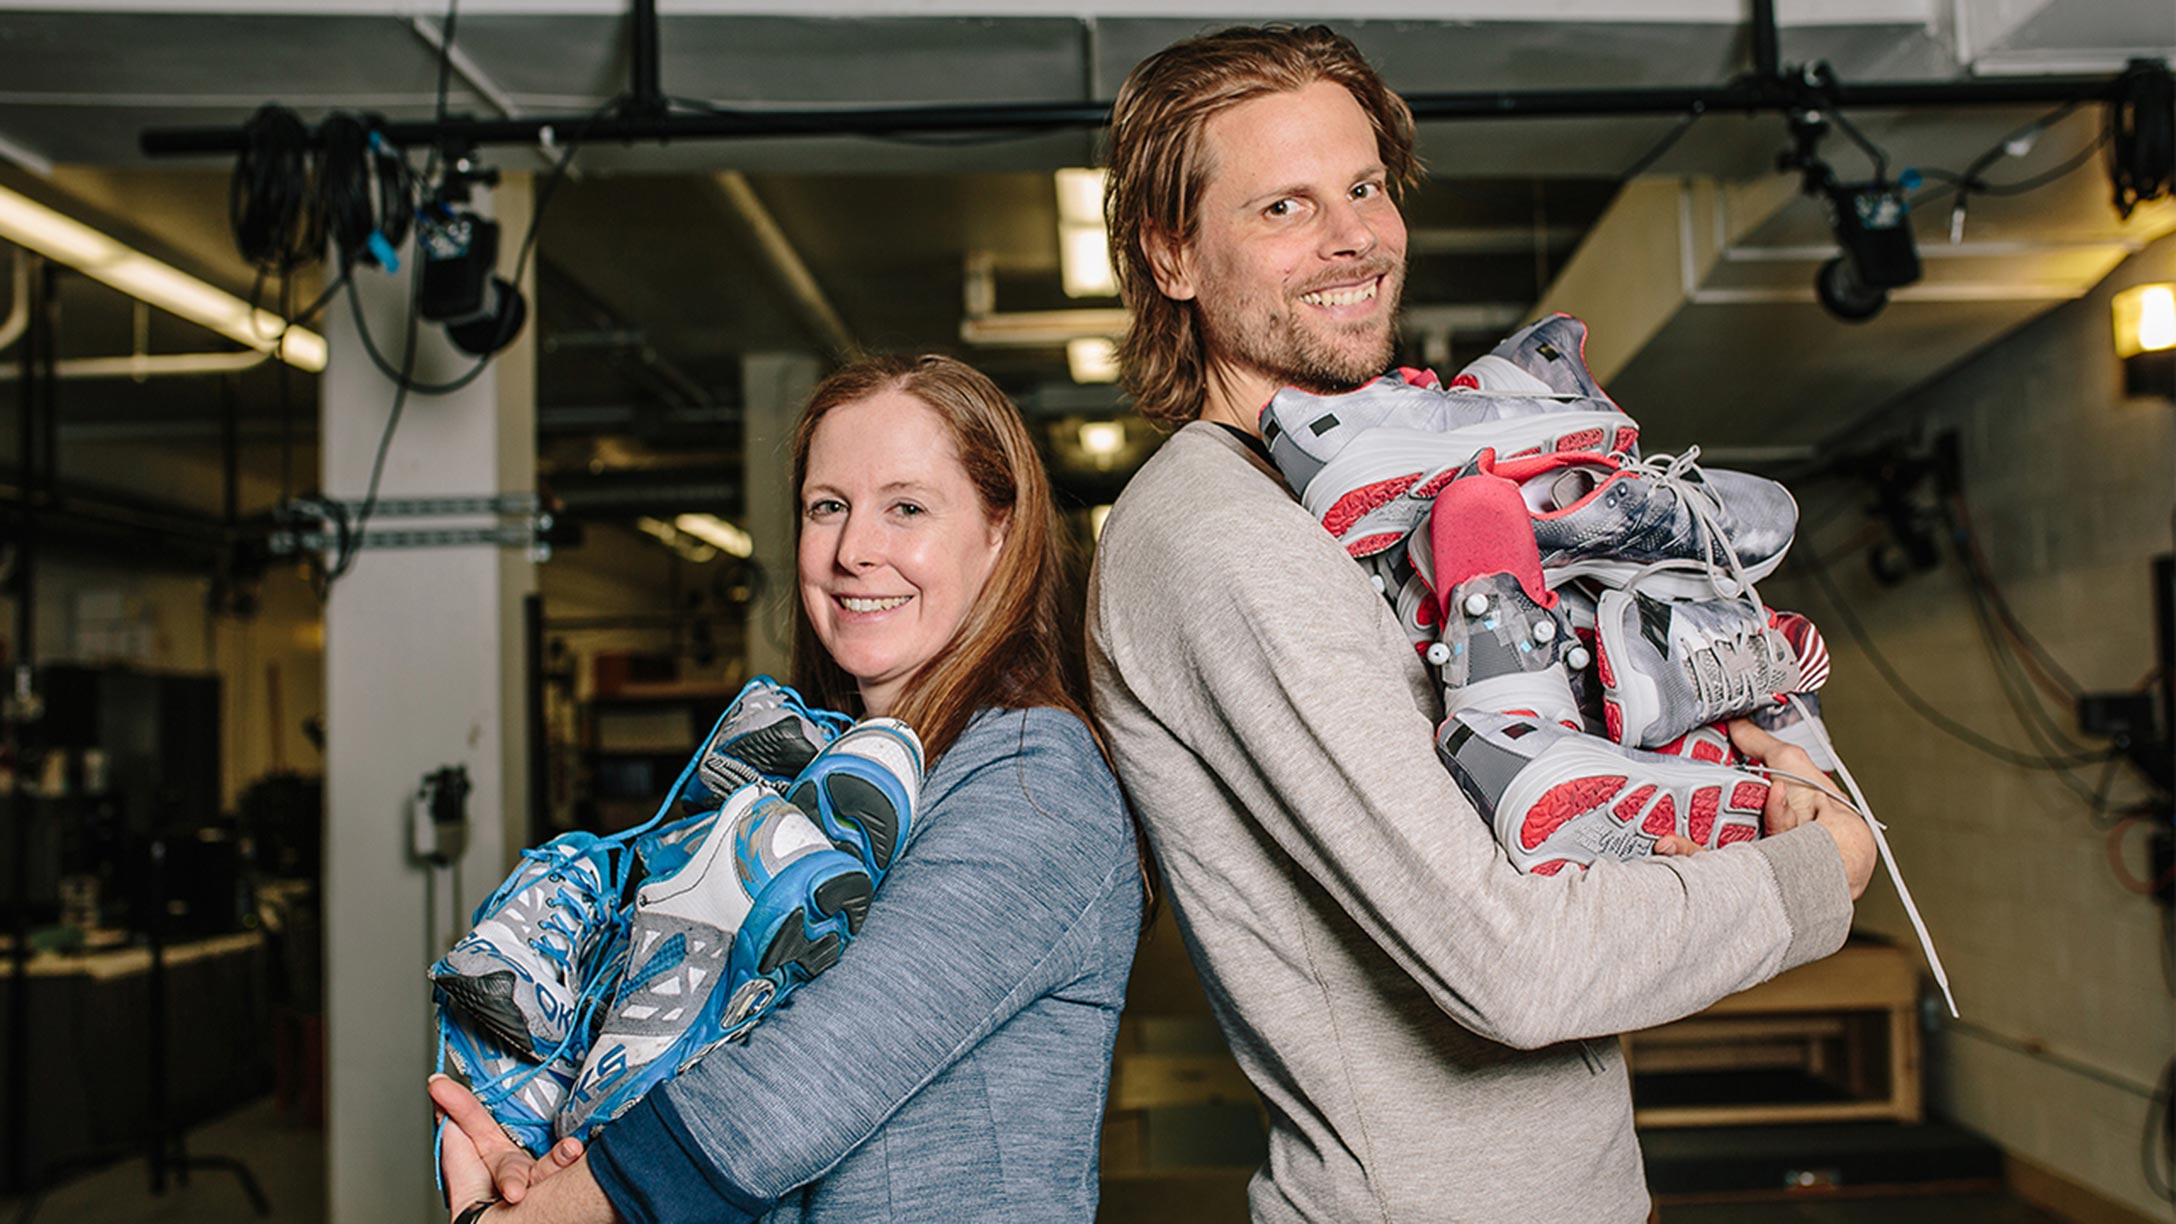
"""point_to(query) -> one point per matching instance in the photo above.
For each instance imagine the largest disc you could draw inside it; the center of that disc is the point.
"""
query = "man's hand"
(1792, 803)
(477, 1159)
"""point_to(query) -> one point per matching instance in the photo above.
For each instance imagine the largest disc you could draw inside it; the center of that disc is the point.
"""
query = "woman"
(953, 1064)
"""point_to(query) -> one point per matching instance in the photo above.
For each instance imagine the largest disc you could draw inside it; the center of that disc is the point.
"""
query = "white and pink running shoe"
(1368, 463)
(1557, 798)
(1668, 667)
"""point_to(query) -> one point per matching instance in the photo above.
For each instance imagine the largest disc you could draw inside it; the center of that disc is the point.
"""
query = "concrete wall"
(2072, 486)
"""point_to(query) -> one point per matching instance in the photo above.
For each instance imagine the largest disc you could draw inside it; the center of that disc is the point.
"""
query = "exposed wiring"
(1920, 705)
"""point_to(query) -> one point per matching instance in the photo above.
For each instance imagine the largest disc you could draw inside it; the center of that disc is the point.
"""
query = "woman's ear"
(1169, 263)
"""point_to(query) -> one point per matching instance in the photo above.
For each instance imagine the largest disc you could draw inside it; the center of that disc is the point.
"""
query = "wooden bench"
(1849, 1022)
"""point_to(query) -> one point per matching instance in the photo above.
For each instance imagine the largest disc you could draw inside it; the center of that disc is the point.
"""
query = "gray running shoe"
(519, 973)
(1668, 667)
(1795, 722)
(1558, 798)
(1368, 463)
(1544, 358)
(1662, 523)
(767, 735)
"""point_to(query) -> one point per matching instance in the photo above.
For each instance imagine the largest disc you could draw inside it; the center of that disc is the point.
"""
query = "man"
(1429, 1029)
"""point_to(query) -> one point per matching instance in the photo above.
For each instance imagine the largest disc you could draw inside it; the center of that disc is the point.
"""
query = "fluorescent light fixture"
(1092, 359)
(687, 546)
(2145, 318)
(1084, 261)
(717, 533)
(1080, 196)
(1102, 438)
(64, 239)
(1084, 249)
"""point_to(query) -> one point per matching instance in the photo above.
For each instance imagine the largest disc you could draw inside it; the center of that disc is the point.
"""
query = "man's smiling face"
(1299, 251)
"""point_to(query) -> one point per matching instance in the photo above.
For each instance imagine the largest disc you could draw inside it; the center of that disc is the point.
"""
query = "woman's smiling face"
(895, 545)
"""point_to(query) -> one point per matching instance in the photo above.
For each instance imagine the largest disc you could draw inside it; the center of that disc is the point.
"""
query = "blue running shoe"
(863, 790)
(523, 1094)
(741, 906)
(518, 974)
(767, 735)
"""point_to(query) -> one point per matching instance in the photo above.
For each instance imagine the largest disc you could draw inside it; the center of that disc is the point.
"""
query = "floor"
(289, 1164)
(287, 1161)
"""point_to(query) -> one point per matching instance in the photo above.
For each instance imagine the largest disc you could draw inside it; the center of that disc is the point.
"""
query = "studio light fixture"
(2145, 327)
(716, 532)
(1084, 249)
(101, 257)
(1092, 359)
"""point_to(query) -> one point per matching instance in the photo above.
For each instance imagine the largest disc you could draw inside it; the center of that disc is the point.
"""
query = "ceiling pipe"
(141, 366)
(470, 71)
(785, 263)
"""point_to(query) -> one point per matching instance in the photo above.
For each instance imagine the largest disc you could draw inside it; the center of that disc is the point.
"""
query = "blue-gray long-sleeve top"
(953, 1065)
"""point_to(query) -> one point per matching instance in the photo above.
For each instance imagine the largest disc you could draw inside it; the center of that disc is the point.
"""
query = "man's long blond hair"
(1158, 169)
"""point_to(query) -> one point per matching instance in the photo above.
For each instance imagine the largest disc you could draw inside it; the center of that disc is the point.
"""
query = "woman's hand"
(477, 1159)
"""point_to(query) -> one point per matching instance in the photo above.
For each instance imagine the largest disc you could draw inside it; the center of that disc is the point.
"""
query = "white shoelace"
(1671, 472)
(1881, 843)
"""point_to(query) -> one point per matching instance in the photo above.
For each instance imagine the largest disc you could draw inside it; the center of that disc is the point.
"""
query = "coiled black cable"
(365, 189)
(2142, 136)
(271, 206)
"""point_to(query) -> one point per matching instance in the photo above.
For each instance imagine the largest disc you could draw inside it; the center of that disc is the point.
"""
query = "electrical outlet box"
(2123, 717)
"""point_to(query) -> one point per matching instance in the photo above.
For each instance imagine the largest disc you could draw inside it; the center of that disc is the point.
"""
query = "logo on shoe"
(602, 1071)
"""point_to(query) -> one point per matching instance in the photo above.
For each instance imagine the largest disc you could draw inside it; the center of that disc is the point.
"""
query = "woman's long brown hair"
(1011, 651)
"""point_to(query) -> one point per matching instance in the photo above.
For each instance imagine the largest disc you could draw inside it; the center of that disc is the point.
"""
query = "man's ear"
(1169, 262)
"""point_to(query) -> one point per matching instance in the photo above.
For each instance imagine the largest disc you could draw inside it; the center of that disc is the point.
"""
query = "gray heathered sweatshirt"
(1420, 1019)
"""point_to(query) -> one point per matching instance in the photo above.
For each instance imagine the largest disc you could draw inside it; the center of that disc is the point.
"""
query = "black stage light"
(1872, 223)
(481, 310)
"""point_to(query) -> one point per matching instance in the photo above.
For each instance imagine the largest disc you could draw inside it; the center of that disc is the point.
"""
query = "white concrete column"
(773, 388)
(423, 658)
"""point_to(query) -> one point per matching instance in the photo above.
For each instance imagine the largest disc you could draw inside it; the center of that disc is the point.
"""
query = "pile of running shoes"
(605, 966)
(1591, 611)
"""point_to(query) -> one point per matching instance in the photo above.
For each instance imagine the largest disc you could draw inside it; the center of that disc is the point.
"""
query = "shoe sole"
(860, 804)
(1577, 801)
(1371, 493)
(487, 1001)
(798, 926)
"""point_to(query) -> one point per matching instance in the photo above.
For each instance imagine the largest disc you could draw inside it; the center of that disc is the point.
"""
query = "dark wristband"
(475, 1211)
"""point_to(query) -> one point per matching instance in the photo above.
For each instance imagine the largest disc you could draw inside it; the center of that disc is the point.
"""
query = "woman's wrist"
(475, 1211)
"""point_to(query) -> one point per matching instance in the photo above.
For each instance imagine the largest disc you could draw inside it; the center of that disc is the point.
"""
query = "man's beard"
(1321, 361)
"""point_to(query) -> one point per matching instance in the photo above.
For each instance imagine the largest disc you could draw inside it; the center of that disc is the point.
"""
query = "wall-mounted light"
(2145, 325)
(1092, 359)
(1084, 250)
(101, 257)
